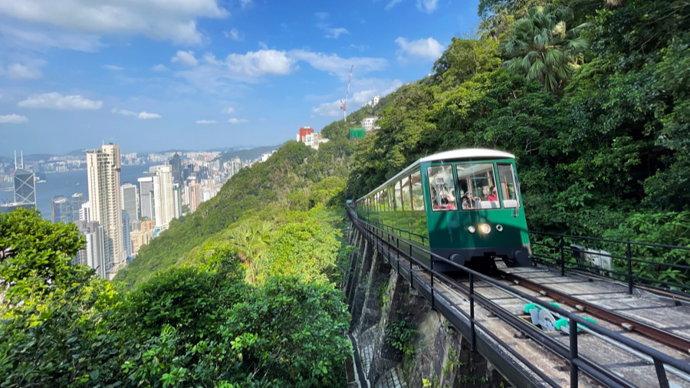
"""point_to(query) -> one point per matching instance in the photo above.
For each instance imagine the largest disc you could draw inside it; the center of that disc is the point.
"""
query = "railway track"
(556, 343)
(629, 324)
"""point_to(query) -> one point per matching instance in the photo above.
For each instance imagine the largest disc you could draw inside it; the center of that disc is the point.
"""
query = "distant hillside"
(248, 154)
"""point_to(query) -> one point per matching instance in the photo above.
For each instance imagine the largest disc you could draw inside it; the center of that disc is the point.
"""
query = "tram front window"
(477, 185)
(441, 188)
(506, 179)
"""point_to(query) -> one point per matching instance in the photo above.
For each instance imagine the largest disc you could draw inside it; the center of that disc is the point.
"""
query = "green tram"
(464, 205)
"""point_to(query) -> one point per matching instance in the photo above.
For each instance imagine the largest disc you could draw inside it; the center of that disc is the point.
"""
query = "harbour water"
(68, 183)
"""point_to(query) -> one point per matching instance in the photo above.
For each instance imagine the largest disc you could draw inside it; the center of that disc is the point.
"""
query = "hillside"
(295, 178)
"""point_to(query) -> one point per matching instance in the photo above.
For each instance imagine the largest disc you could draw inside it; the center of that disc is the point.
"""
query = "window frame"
(455, 187)
(417, 171)
(494, 168)
(515, 185)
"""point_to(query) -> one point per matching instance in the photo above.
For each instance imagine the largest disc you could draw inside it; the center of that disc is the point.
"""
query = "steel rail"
(588, 366)
(628, 323)
(576, 361)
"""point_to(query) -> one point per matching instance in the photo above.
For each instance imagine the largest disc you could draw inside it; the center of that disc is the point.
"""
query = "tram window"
(384, 200)
(477, 185)
(417, 191)
(391, 198)
(398, 197)
(407, 198)
(441, 188)
(506, 179)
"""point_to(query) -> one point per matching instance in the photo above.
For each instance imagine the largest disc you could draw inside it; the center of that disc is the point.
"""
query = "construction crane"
(343, 103)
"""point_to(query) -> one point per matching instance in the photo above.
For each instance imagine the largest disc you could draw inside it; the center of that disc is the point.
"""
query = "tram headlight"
(485, 228)
(471, 229)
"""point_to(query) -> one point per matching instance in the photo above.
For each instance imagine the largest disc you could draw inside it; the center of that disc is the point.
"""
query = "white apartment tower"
(164, 203)
(103, 173)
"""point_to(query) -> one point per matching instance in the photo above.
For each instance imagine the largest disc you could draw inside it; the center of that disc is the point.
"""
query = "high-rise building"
(24, 183)
(145, 197)
(60, 210)
(93, 253)
(126, 230)
(164, 205)
(24, 186)
(177, 200)
(139, 239)
(85, 212)
(78, 199)
(176, 164)
(103, 173)
(130, 200)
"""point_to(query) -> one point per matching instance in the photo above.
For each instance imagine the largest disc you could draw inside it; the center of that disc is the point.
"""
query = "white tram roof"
(459, 154)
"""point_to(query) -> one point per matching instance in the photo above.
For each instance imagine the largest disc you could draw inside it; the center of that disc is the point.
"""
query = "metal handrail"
(576, 361)
(561, 249)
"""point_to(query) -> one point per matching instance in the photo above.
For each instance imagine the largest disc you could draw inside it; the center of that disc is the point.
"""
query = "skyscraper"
(164, 205)
(78, 199)
(146, 200)
(177, 200)
(93, 253)
(176, 164)
(24, 183)
(126, 229)
(130, 200)
(61, 210)
(103, 172)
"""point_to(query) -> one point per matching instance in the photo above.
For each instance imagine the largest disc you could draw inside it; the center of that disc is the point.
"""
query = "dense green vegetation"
(590, 95)
(241, 293)
(591, 98)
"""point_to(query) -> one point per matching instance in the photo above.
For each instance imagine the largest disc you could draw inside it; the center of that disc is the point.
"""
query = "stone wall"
(436, 356)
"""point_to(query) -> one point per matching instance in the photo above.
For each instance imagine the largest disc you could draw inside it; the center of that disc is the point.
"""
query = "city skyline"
(204, 73)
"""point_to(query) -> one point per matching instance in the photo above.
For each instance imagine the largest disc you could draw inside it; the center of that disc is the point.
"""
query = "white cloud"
(13, 119)
(228, 111)
(113, 67)
(124, 112)
(174, 20)
(234, 34)
(140, 115)
(148, 116)
(259, 63)
(206, 121)
(336, 65)
(334, 33)
(427, 6)
(51, 37)
(237, 121)
(22, 71)
(392, 4)
(429, 49)
(212, 74)
(185, 57)
(58, 101)
(159, 67)
(322, 15)
(246, 3)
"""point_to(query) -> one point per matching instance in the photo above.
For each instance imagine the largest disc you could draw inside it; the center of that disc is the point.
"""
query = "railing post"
(433, 305)
(562, 244)
(661, 373)
(411, 285)
(397, 245)
(628, 256)
(573, 353)
(473, 337)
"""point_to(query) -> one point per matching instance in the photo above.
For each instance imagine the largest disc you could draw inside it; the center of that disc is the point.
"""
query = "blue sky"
(198, 74)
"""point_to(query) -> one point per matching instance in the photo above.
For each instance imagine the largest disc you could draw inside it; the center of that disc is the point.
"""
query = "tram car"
(464, 205)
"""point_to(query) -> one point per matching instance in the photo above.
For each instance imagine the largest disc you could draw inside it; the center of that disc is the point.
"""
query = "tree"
(543, 49)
